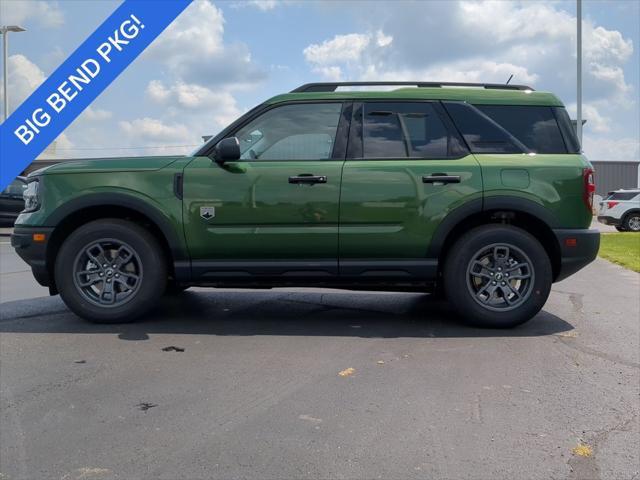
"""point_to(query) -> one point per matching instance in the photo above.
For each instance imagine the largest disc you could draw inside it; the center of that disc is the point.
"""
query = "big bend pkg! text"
(75, 83)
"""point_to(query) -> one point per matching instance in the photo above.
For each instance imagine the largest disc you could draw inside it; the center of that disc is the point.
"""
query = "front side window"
(405, 130)
(304, 131)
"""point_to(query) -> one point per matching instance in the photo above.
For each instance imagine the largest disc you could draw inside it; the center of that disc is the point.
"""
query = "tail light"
(589, 187)
(612, 204)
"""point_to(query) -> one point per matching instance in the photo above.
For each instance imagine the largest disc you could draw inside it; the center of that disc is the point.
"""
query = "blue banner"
(80, 79)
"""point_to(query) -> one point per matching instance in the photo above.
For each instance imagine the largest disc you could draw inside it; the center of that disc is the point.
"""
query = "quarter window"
(536, 127)
(291, 132)
(405, 130)
(512, 128)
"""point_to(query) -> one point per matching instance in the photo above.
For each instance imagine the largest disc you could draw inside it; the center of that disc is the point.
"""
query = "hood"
(106, 165)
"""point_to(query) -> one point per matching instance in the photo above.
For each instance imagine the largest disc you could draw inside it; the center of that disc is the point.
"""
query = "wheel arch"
(515, 211)
(77, 212)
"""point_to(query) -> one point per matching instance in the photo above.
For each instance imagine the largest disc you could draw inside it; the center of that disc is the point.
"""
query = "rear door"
(406, 170)
(274, 211)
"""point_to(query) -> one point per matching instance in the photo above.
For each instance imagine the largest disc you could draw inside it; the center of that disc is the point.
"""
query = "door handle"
(440, 178)
(308, 179)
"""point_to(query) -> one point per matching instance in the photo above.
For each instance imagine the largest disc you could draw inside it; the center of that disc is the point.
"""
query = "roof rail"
(332, 86)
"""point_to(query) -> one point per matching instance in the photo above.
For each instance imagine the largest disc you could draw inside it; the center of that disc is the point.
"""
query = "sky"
(220, 58)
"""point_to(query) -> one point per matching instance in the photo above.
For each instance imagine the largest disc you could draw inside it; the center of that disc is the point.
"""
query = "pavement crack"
(587, 467)
(576, 299)
(571, 343)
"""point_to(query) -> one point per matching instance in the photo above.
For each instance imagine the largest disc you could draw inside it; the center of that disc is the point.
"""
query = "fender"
(107, 199)
(497, 202)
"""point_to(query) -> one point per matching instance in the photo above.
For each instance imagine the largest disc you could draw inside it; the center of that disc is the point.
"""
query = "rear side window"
(509, 128)
(482, 134)
(622, 196)
(406, 130)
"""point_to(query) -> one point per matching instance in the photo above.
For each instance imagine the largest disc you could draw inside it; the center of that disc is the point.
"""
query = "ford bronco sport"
(478, 192)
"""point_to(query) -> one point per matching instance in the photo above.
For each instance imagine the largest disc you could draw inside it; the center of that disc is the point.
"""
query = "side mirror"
(227, 150)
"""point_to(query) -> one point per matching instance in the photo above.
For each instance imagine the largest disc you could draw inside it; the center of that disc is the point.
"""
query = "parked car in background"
(12, 202)
(622, 210)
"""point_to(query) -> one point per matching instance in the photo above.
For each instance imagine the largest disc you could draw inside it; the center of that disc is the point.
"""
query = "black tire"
(631, 222)
(141, 287)
(464, 289)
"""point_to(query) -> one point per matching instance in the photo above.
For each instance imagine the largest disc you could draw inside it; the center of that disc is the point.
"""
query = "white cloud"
(155, 130)
(96, 114)
(220, 103)
(23, 12)
(383, 40)
(264, 5)
(471, 70)
(193, 49)
(24, 77)
(488, 41)
(600, 147)
(592, 112)
(202, 72)
(341, 48)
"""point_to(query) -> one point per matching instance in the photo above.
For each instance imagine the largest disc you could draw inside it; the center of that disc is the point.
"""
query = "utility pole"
(579, 72)
(5, 56)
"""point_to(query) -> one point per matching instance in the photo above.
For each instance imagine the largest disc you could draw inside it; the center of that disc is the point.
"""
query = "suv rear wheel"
(632, 222)
(110, 271)
(497, 276)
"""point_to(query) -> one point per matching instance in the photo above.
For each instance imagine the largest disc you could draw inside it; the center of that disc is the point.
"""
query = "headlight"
(31, 198)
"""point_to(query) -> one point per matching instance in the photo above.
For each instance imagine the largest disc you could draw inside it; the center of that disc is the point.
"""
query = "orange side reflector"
(39, 237)
(571, 242)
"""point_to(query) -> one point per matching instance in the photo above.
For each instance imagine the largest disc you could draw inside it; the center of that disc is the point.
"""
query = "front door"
(274, 211)
(407, 169)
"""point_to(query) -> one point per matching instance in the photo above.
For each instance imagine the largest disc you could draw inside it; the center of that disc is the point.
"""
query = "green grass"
(621, 248)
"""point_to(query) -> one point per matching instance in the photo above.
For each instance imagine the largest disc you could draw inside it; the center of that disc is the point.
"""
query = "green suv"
(477, 192)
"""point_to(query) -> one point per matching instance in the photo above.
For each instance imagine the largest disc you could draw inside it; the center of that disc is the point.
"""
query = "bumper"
(34, 253)
(609, 220)
(578, 248)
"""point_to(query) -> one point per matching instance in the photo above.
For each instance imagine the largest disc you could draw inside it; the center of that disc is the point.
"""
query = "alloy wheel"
(108, 272)
(500, 277)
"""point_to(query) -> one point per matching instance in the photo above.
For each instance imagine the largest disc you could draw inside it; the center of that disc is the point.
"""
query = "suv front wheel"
(497, 276)
(110, 271)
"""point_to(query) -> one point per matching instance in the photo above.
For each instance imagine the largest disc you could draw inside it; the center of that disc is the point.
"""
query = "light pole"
(579, 72)
(5, 53)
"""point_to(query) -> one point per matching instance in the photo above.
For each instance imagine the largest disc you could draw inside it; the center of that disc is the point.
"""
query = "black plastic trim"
(572, 259)
(178, 185)
(507, 202)
(107, 199)
(35, 254)
(450, 221)
(220, 270)
(609, 220)
(387, 269)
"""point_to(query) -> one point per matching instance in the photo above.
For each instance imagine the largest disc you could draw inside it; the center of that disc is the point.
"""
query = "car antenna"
(509, 79)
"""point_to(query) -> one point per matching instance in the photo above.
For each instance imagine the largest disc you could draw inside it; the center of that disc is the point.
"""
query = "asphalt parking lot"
(232, 384)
